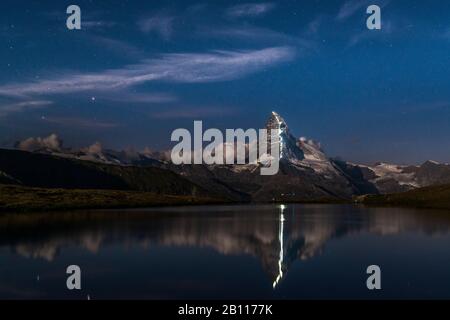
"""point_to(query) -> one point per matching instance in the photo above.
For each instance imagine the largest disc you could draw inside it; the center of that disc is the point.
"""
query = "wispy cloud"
(160, 24)
(388, 27)
(249, 33)
(134, 97)
(349, 8)
(22, 106)
(250, 9)
(179, 67)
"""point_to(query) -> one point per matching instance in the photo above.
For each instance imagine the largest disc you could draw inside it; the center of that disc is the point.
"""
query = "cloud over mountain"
(52, 142)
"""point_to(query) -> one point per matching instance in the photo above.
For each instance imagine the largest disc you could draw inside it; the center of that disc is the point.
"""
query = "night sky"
(140, 69)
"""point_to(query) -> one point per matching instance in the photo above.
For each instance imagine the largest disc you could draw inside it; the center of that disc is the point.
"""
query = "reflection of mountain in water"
(277, 235)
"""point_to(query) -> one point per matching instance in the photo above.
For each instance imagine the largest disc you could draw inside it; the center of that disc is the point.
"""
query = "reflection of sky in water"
(264, 251)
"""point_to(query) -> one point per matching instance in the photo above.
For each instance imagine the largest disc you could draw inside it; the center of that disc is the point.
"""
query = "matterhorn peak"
(276, 122)
(288, 143)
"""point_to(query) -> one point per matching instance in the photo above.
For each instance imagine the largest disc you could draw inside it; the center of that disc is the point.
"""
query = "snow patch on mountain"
(303, 162)
(391, 172)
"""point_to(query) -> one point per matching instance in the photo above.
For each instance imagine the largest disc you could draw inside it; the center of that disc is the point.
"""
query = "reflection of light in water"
(280, 238)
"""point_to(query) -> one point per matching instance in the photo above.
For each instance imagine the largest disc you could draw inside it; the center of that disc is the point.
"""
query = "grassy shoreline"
(15, 198)
(435, 197)
(26, 199)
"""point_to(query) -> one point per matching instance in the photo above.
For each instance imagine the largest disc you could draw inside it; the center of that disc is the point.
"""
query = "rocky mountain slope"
(48, 171)
(390, 178)
(306, 172)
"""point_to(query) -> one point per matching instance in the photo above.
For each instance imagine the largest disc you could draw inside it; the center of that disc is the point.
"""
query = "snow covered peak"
(431, 162)
(276, 122)
(289, 149)
(304, 153)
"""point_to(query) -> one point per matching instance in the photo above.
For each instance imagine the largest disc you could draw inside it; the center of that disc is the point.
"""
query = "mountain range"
(306, 172)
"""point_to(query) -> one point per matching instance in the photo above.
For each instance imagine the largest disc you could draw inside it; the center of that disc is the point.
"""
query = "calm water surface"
(237, 252)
